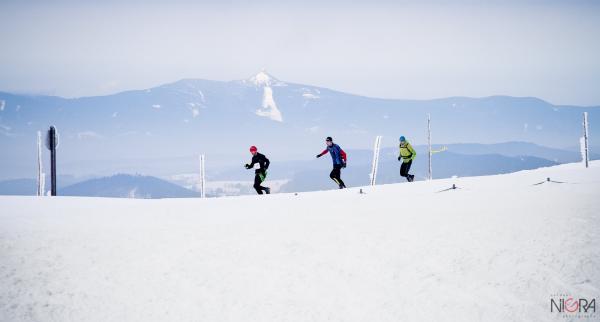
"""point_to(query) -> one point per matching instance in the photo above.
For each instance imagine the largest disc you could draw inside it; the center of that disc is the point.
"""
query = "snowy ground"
(495, 250)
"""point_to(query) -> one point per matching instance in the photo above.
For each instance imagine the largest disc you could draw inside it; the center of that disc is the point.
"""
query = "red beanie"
(253, 149)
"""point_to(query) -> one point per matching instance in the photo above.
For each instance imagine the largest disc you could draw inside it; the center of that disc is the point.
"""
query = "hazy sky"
(392, 49)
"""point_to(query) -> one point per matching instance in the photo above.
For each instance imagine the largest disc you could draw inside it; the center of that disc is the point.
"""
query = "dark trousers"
(257, 181)
(336, 173)
(404, 168)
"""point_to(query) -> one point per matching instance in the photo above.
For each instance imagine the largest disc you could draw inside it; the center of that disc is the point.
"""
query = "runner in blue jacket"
(338, 156)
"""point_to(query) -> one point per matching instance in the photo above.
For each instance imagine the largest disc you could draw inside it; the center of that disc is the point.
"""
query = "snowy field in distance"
(223, 188)
(495, 250)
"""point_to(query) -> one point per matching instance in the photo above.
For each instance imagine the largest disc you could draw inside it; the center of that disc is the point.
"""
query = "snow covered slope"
(495, 250)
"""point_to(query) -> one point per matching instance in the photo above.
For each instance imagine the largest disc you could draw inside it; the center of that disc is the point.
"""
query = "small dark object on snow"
(547, 180)
(454, 187)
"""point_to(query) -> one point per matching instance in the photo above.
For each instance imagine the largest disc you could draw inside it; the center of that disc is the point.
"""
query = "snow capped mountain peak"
(263, 78)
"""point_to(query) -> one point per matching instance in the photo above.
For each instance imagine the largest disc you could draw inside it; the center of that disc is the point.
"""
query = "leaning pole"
(375, 165)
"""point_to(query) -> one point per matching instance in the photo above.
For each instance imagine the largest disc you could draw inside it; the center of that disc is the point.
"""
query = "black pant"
(335, 175)
(257, 181)
(404, 168)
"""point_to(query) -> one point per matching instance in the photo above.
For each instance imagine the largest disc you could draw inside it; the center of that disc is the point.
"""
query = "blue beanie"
(402, 138)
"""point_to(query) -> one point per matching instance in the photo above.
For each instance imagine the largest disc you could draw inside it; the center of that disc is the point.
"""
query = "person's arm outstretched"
(252, 163)
(322, 153)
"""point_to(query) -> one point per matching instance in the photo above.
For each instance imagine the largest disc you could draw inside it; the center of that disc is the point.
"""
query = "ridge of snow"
(310, 96)
(269, 107)
(310, 93)
(202, 96)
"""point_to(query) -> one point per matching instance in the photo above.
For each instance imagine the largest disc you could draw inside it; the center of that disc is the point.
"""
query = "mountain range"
(160, 131)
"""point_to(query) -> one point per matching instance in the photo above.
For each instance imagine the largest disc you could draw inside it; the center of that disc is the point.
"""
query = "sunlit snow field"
(496, 249)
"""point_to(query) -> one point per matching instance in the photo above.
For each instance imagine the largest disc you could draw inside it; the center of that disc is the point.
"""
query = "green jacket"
(407, 152)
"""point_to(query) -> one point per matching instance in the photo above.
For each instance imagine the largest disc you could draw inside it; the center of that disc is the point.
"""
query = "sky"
(388, 49)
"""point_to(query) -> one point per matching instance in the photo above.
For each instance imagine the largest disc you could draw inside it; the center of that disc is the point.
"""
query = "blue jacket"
(338, 156)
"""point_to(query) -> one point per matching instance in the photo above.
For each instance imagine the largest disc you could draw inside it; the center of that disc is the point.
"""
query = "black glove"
(399, 158)
(247, 166)
(344, 165)
(318, 155)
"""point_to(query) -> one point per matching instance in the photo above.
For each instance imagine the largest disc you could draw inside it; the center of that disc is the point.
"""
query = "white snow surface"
(496, 249)
(269, 107)
(310, 94)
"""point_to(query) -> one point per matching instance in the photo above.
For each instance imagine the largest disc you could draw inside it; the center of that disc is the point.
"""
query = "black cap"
(329, 139)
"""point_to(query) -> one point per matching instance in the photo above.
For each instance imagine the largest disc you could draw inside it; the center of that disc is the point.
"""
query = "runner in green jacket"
(407, 155)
